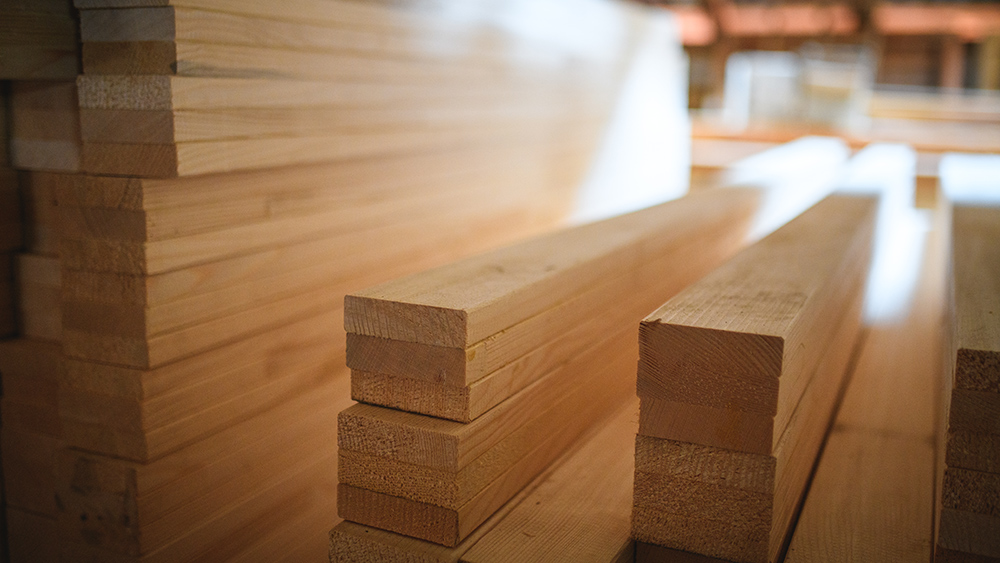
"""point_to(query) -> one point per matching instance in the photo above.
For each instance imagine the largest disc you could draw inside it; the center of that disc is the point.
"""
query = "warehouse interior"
(499, 280)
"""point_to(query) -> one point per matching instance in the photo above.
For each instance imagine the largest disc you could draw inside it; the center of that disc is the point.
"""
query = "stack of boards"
(39, 133)
(738, 379)
(474, 377)
(969, 519)
(233, 169)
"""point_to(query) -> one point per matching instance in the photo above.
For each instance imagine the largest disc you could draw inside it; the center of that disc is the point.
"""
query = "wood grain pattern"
(580, 511)
(435, 380)
(745, 314)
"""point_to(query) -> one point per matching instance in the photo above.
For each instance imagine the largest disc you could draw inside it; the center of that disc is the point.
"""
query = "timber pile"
(39, 130)
(576, 511)
(738, 379)
(969, 518)
(495, 365)
(246, 166)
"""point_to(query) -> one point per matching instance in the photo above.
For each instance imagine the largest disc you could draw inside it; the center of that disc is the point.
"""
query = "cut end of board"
(370, 316)
(713, 368)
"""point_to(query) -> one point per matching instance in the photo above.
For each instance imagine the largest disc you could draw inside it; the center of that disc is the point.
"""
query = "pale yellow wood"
(580, 512)
(753, 316)
(184, 492)
(747, 338)
(463, 303)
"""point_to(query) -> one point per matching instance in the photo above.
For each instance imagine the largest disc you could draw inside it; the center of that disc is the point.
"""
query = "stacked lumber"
(45, 125)
(872, 496)
(738, 378)
(203, 86)
(474, 377)
(578, 510)
(969, 517)
(278, 160)
(30, 367)
(38, 40)
(39, 130)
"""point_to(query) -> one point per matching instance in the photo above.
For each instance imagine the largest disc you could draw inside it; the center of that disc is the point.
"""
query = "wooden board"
(502, 453)
(32, 537)
(38, 41)
(681, 364)
(460, 384)
(45, 126)
(579, 512)
(773, 325)
(157, 411)
(464, 303)
(158, 504)
(38, 195)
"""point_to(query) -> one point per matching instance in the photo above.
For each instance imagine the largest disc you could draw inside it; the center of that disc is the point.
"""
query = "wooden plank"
(768, 335)
(754, 320)
(397, 373)
(380, 432)
(464, 303)
(184, 492)
(580, 511)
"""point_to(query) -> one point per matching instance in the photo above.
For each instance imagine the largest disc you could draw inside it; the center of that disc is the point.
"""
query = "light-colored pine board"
(396, 373)
(480, 443)
(675, 507)
(153, 210)
(463, 303)
(517, 436)
(675, 489)
(187, 159)
(966, 494)
(45, 126)
(184, 491)
(580, 511)
(747, 338)
(872, 496)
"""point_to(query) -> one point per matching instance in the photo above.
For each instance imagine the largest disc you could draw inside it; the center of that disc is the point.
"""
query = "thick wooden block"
(28, 469)
(38, 41)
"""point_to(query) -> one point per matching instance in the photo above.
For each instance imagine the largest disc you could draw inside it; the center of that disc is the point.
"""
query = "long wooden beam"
(766, 338)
